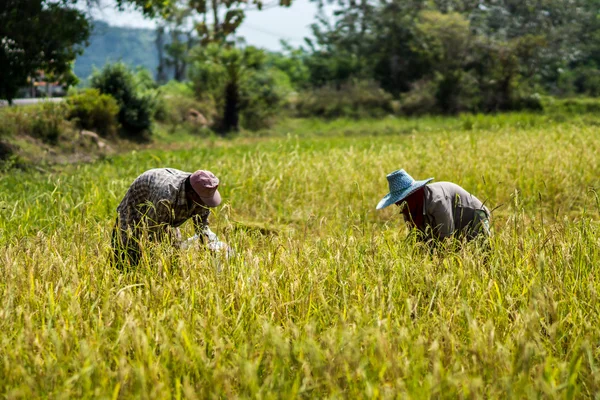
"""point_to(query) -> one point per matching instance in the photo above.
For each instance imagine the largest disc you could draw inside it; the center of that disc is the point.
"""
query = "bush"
(529, 102)
(583, 80)
(420, 100)
(44, 121)
(135, 109)
(575, 105)
(263, 95)
(147, 88)
(240, 84)
(462, 94)
(94, 111)
(177, 102)
(357, 99)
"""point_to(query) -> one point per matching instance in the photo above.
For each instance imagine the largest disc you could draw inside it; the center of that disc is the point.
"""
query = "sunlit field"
(327, 297)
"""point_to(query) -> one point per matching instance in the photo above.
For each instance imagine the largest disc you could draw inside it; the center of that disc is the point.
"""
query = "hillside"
(134, 46)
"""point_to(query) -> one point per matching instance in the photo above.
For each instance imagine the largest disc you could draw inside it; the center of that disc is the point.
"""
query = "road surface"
(27, 102)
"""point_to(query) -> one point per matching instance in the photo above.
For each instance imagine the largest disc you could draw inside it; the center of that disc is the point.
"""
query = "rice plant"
(326, 296)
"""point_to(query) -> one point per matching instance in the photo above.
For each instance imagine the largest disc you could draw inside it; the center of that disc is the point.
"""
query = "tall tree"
(161, 69)
(214, 23)
(38, 35)
(180, 25)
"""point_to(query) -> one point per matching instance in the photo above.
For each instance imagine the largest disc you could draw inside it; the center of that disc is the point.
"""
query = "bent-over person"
(437, 210)
(158, 202)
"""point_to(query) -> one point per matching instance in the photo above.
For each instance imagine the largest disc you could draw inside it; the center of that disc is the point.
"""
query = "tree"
(181, 28)
(161, 72)
(491, 54)
(369, 39)
(150, 8)
(38, 35)
(444, 43)
(239, 82)
(193, 22)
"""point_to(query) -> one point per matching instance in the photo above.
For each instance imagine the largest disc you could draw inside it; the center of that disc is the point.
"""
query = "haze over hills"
(134, 46)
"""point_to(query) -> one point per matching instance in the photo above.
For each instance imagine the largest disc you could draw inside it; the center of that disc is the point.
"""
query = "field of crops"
(327, 297)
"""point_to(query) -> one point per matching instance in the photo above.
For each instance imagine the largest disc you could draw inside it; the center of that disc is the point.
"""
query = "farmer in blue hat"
(438, 210)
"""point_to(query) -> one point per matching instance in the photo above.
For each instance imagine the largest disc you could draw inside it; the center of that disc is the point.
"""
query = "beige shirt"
(449, 210)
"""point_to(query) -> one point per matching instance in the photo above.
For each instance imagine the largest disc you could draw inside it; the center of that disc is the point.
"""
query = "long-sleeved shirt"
(158, 197)
(449, 210)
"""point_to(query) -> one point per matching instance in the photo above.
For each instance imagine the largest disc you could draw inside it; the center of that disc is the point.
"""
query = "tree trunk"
(161, 73)
(231, 116)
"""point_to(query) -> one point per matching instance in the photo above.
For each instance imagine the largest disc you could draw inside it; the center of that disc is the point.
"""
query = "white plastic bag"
(214, 244)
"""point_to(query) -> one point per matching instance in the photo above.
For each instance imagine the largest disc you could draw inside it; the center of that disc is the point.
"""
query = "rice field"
(327, 297)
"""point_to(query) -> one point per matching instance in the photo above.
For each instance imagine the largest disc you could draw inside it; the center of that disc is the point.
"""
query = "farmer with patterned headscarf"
(437, 210)
(158, 202)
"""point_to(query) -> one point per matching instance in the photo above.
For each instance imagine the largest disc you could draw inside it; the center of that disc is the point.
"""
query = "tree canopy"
(38, 35)
(478, 55)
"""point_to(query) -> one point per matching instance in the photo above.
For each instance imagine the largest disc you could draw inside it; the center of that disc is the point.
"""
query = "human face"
(410, 208)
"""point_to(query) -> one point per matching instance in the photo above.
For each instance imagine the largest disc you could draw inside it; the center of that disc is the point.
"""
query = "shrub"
(263, 95)
(575, 105)
(147, 88)
(44, 121)
(420, 100)
(357, 99)
(177, 101)
(531, 102)
(462, 93)
(94, 111)
(583, 80)
(135, 109)
(240, 84)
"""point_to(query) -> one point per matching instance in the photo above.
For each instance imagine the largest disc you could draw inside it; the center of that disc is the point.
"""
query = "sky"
(264, 28)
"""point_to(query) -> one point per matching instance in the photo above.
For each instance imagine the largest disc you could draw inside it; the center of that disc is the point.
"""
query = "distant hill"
(134, 46)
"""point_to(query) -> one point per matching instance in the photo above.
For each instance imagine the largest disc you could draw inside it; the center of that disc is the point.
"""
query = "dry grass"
(327, 297)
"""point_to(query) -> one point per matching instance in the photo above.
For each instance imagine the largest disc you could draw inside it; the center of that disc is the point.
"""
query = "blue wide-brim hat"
(401, 186)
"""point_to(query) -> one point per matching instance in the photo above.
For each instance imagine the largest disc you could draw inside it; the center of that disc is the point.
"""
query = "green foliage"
(240, 84)
(44, 121)
(357, 99)
(149, 8)
(94, 111)
(477, 56)
(130, 92)
(291, 62)
(179, 104)
(572, 106)
(263, 98)
(148, 89)
(582, 80)
(327, 297)
(38, 35)
(444, 45)
(420, 100)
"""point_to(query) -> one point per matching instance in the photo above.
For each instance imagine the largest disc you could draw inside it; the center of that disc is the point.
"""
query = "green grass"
(331, 299)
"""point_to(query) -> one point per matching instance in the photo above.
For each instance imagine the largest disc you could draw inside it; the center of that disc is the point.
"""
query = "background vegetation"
(326, 297)
(405, 57)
